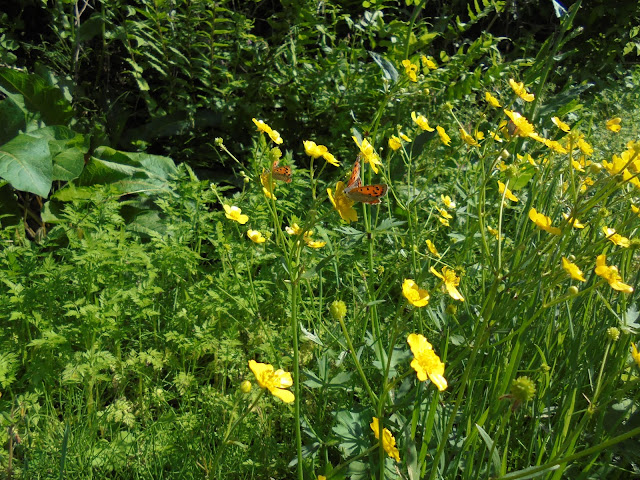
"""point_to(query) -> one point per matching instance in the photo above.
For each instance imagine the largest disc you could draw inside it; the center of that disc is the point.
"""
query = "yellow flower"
(451, 282)
(585, 147)
(343, 204)
(443, 212)
(444, 138)
(521, 91)
(322, 477)
(416, 295)
(432, 248)
(634, 354)
(263, 127)
(611, 275)
(573, 222)
(421, 121)
(614, 124)
(294, 229)
(427, 62)
(560, 124)
(394, 143)
(494, 232)
(616, 238)
(315, 151)
(410, 69)
(573, 270)
(311, 242)
(555, 146)
(369, 153)
(468, 139)
(443, 221)
(425, 361)
(448, 202)
(543, 222)
(522, 126)
(267, 185)
(635, 209)
(275, 381)
(235, 214)
(388, 442)
(493, 101)
(256, 236)
(509, 194)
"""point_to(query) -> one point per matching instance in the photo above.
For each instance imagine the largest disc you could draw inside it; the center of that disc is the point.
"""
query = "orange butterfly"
(281, 173)
(366, 194)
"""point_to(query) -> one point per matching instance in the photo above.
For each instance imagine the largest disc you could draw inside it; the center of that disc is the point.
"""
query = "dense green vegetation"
(425, 214)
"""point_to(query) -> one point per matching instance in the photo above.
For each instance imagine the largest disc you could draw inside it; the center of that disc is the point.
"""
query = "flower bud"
(572, 290)
(613, 333)
(338, 310)
(523, 389)
(245, 387)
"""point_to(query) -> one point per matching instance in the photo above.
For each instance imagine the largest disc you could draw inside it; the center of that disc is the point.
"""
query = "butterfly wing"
(281, 173)
(354, 179)
(367, 194)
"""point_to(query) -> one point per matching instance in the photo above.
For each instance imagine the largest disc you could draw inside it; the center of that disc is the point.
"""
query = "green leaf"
(12, 119)
(495, 456)
(39, 97)
(25, 162)
(67, 151)
(388, 70)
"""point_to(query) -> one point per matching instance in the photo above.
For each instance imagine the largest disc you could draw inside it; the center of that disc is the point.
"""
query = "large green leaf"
(39, 97)
(12, 119)
(134, 172)
(25, 162)
(67, 148)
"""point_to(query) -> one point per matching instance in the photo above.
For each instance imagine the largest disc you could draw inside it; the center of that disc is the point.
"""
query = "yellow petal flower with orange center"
(388, 441)
(275, 381)
(416, 295)
(451, 282)
(425, 361)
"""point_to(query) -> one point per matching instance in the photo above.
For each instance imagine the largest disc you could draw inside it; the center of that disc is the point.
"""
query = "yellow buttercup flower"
(443, 212)
(275, 381)
(509, 194)
(263, 127)
(342, 203)
(443, 221)
(427, 62)
(494, 232)
(573, 270)
(635, 354)
(369, 154)
(614, 124)
(611, 275)
(573, 221)
(411, 70)
(388, 441)
(522, 126)
(235, 214)
(311, 242)
(521, 91)
(256, 236)
(421, 121)
(444, 138)
(394, 143)
(451, 282)
(560, 124)
(425, 361)
(294, 229)
(416, 295)
(584, 147)
(491, 100)
(315, 151)
(432, 248)
(446, 199)
(543, 222)
(635, 209)
(468, 139)
(616, 238)
(268, 185)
